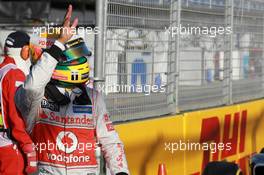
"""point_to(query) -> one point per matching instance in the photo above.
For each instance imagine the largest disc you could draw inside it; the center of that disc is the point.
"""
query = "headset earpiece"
(25, 52)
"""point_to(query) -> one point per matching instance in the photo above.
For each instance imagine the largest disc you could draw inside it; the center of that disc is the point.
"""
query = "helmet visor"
(76, 49)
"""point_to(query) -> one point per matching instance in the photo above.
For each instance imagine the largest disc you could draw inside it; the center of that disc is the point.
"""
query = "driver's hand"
(67, 29)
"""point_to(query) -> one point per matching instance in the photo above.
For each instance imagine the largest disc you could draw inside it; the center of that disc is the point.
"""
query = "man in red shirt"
(17, 155)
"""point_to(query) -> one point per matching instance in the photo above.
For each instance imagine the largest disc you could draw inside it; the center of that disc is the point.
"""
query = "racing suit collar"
(77, 95)
(71, 93)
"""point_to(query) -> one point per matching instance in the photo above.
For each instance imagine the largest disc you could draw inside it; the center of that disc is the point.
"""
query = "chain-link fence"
(195, 53)
(167, 56)
(248, 50)
(136, 58)
(201, 54)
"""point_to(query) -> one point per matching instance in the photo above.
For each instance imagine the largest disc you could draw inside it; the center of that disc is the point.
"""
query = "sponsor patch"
(119, 159)
(82, 109)
(110, 127)
(106, 118)
(43, 115)
(50, 105)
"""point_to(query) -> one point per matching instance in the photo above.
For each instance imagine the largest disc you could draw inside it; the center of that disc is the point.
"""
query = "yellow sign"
(186, 143)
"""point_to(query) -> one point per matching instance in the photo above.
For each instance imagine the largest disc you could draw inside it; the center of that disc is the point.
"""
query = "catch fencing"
(156, 57)
(169, 56)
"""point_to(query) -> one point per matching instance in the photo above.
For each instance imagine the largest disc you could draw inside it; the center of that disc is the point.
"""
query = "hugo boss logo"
(50, 105)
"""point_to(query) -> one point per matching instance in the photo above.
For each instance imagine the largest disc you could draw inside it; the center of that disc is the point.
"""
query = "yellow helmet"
(72, 73)
(74, 68)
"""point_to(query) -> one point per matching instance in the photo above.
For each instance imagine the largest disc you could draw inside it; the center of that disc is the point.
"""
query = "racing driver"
(67, 120)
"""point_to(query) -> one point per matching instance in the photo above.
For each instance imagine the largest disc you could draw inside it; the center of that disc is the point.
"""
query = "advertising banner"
(185, 143)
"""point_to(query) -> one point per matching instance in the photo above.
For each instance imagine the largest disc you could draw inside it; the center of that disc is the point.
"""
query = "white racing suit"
(66, 136)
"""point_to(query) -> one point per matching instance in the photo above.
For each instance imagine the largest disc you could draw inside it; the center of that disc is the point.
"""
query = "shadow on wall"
(153, 149)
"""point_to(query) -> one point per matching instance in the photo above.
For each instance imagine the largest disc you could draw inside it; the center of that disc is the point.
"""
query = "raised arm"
(28, 96)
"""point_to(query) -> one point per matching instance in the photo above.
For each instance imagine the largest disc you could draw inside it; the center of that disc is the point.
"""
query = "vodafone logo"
(67, 141)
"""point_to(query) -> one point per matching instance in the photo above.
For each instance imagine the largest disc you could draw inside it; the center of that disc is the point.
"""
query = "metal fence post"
(177, 59)
(229, 17)
(170, 94)
(173, 63)
(99, 43)
(262, 61)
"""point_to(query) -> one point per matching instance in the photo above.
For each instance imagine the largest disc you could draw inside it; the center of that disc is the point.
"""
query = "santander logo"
(83, 119)
(43, 115)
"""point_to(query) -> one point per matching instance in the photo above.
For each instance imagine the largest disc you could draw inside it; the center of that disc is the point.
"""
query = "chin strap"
(52, 92)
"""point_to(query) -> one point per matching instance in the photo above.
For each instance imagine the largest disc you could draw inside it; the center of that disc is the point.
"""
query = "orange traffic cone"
(162, 169)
